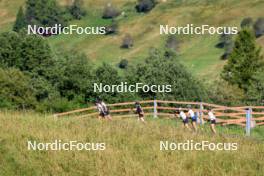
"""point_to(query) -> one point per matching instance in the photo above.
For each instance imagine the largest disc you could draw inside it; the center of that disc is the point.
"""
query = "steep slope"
(197, 52)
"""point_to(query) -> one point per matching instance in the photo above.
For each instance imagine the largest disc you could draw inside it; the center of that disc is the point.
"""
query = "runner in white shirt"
(184, 118)
(212, 119)
(193, 117)
(103, 110)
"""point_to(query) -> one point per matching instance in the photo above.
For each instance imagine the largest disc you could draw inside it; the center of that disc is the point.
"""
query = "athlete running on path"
(103, 110)
(184, 118)
(212, 120)
(193, 117)
(140, 112)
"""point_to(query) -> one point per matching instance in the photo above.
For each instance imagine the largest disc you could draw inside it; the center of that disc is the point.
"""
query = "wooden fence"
(242, 116)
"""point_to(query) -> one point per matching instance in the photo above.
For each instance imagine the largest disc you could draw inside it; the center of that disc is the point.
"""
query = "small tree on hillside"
(226, 42)
(110, 12)
(44, 13)
(259, 27)
(112, 28)
(172, 43)
(145, 5)
(20, 22)
(246, 22)
(244, 61)
(127, 41)
(76, 9)
(123, 64)
(172, 46)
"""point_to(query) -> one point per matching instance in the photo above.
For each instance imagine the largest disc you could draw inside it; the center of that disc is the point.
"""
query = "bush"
(145, 5)
(221, 92)
(172, 46)
(16, 90)
(28, 53)
(110, 12)
(72, 76)
(123, 64)
(76, 10)
(127, 42)
(111, 29)
(158, 70)
(226, 42)
(246, 23)
(259, 27)
(107, 75)
(172, 43)
(44, 13)
(255, 93)
(57, 105)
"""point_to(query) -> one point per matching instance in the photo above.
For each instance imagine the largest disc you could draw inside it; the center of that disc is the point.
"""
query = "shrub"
(123, 64)
(246, 23)
(172, 43)
(16, 90)
(221, 92)
(57, 105)
(107, 75)
(145, 5)
(112, 28)
(44, 13)
(72, 76)
(29, 53)
(226, 42)
(76, 9)
(127, 41)
(110, 12)
(158, 70)
(259, 27)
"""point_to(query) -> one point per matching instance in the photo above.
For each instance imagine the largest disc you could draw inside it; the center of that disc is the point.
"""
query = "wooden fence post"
(155, 109)
(248, 121)
(201, 113)
(55, 117)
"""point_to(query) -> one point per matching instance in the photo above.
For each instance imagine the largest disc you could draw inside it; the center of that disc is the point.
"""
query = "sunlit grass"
(132, 148)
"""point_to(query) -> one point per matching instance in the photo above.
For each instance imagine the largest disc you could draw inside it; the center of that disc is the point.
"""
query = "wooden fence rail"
(163, 108)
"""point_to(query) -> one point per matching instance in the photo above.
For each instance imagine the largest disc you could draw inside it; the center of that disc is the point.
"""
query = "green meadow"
(132, 148)
(198, 53)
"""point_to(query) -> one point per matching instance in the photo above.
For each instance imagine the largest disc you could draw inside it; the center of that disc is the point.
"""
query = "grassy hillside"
(197, 52)
(131, 148)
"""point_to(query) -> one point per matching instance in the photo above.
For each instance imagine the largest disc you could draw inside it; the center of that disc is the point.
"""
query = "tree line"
(32, 75)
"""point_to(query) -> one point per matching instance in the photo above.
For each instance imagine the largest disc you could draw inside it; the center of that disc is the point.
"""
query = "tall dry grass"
(131, 148)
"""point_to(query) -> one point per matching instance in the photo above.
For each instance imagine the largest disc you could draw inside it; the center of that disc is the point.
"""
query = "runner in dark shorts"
(103, 110)
(184, 118)
(212, 119)
(140, 112)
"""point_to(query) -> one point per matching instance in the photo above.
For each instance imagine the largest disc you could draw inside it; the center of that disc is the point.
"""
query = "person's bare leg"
(99, 117)
(109, 117)
(213, 128)
(194, 126)
(142, 120)
(187, 127)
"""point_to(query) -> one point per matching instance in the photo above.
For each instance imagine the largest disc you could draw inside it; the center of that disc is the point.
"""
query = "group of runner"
(185, 116)
(194, 118)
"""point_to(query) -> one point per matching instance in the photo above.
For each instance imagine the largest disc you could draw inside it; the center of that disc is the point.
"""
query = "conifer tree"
(20, 20)
(44, 13)
(244, 61)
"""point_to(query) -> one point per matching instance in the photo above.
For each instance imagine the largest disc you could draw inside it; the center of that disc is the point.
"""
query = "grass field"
(198, 53)
(131, 148)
